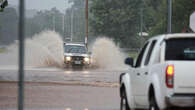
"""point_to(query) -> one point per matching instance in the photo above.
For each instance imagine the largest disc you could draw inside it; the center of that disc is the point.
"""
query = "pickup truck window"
(140, 57)
(75, 49)
(150, 52)
(180, 49)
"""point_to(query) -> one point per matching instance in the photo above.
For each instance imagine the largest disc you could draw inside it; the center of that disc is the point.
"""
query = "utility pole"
(169, 26)
(141, 22)
(54, 22)
(72, 24)
(86, 17)
(21, 37)
(63, 27)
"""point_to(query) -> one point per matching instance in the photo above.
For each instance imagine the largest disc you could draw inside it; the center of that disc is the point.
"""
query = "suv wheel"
(153, 104)
(124, 104)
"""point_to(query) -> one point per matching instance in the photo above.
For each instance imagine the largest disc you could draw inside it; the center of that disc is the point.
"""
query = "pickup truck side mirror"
(129, 61)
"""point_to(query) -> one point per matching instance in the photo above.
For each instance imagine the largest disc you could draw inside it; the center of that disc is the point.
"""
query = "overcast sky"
(43, 4)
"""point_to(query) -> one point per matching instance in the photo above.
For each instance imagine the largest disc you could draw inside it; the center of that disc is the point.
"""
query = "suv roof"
(78, 44)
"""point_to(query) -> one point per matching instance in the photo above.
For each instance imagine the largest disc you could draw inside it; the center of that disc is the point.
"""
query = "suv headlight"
(68, 58)
(86, 59)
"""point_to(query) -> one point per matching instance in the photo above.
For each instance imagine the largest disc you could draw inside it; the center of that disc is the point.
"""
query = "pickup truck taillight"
(170, 76)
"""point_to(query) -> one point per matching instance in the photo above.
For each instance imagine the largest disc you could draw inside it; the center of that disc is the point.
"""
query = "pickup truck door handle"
(138, 74)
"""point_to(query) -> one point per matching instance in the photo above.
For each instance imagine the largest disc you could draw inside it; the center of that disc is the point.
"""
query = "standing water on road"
(46, 49)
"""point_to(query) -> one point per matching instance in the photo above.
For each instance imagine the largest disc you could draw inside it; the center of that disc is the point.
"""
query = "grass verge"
(3, 50)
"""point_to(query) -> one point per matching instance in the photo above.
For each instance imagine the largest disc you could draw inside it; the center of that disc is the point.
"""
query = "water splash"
(106, 55)
(44, 49)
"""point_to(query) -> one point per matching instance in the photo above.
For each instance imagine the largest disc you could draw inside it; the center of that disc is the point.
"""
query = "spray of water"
(44, 49)
(106, 55)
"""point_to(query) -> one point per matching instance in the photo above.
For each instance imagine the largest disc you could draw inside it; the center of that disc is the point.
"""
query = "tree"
(77, 14)
(116, 19)
(180, 20)
(120, 19)
(158, 14)
(181, 14)
(9, 26)
(45, 20)
(3, 4)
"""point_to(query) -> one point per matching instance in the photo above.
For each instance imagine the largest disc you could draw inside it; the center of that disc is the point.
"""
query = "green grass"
(3, 50)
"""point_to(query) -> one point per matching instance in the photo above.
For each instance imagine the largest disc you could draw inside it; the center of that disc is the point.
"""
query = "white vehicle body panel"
(138, 81)
(184, 77)
(126, 80)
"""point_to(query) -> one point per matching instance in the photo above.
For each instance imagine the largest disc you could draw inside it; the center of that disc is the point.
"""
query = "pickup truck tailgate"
(184, 77)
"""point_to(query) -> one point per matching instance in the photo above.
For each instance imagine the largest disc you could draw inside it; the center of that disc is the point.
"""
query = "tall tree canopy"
(182, 9)
(8, 26)
(117, 19)
(76, 16)
(45, 20)
(120, 19)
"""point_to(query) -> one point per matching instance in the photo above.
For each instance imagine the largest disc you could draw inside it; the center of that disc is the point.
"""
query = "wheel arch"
(122, 88)
(125, 84)
(151, 92)
(156, 89)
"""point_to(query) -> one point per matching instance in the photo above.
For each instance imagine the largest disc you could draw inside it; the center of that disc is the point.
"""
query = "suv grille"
(76, 58)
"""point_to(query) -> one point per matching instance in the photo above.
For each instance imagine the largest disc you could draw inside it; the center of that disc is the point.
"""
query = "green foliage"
(77, 14)
(3, 4)
(116, 19)
(44, 20)
(158, 15)
(3, 50)
(120, 19)
(182, 9)
(9, 26)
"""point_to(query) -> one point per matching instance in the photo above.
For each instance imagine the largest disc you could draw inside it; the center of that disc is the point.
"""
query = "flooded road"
(55, 75)
(49, 86)
(45, 96)
(58, 89)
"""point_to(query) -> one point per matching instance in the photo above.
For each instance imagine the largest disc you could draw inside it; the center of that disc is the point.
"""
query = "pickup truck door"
(137, 76)
(141, 76)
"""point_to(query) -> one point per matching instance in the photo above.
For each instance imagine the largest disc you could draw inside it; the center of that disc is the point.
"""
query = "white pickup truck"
(163, 75)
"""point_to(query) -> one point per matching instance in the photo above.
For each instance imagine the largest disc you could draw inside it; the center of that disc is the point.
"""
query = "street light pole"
(72, 25)
(86, 17)
(169, 26)
(21, 55)
(63, 27)
(141, 20)
(54, 23)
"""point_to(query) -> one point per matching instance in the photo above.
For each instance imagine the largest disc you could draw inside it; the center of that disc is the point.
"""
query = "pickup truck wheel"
(153, 104)
(124, 104)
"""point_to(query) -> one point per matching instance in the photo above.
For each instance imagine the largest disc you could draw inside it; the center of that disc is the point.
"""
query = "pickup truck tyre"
(124, 104)
(153, 104)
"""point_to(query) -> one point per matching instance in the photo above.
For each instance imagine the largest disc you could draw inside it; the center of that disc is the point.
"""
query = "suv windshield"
(75, 49)
(180, 49)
